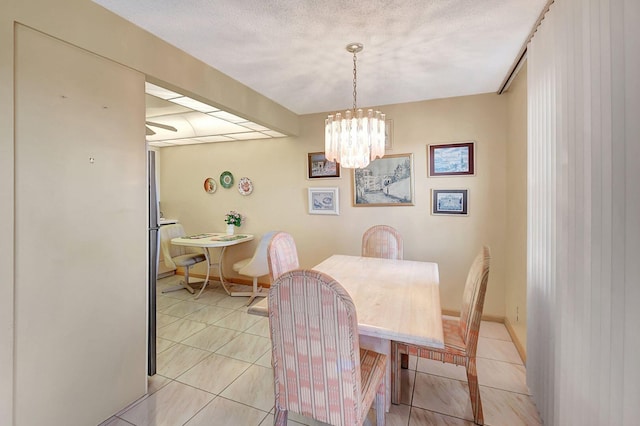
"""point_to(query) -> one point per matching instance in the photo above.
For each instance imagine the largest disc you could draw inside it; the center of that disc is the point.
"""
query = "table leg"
(221, 273)
(206, 279)
(382, 346)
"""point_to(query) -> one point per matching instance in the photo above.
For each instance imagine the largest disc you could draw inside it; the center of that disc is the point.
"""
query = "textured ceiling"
(293, 51)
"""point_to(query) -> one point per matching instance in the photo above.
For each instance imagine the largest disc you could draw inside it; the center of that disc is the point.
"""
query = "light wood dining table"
(395, 300)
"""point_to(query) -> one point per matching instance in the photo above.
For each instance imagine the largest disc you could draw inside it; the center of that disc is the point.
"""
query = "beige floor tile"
(172, 405)
(268, 421)
(115, 421)
(211, 296)
(214, 373)
(494, 330)
(254, 388)
(183, 308)
(164, 320)
(246, 347)
(238, 320)
(265, 360)
(508, 408)
(299, 419)
(156, 382)
(163, 344)
(223, 412)
(182, 294)
(502, 375)
(163, 302)
(420, 417)
(180, 330)
(178, 359)
(209, 314)
(260, 328)
(442, 369)
(499, 350)
(407, 381)
(442, 395)
(398, 415)
(211, 338)
(233, 302)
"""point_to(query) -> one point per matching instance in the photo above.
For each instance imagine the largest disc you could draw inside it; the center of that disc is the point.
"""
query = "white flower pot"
(230, 229)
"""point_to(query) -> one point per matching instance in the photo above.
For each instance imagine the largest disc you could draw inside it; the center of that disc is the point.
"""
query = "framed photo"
(387, 181)
(454, 159)
(324, 201)
(320, 167)
(450, 201)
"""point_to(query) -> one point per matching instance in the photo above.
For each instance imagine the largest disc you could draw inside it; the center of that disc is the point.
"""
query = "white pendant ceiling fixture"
(355, 139)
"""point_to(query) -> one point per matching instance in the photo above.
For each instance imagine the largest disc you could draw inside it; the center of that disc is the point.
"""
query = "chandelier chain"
(355, 93)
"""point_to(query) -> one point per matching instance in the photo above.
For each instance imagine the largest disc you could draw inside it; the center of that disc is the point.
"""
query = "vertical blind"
(583, 261)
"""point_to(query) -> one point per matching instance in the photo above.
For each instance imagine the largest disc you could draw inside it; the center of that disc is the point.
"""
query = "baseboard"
(491, 318)
(232, 280)
(503, 320)
(516, 341)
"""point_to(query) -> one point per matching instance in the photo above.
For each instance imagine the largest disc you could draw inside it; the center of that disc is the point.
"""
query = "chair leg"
(395, 373)
(183, 284)
(381, 402)
(186, 281)
(474, 392)
(280, 417)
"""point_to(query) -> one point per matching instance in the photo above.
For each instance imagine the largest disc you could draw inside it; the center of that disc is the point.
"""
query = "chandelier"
(355, 139)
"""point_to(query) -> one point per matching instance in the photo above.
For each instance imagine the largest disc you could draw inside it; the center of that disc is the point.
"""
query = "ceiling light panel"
(249, 135)
(160, 92)
(193, 104)
(195, 122)
(228, 116)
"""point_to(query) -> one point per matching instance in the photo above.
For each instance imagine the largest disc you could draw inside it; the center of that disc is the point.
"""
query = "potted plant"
(232, 219)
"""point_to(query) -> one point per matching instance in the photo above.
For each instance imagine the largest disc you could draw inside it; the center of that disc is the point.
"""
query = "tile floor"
(214, 368)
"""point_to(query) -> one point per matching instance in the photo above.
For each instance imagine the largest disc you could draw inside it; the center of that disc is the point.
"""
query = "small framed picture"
(320, 167)
(450, 202)
(453, 159)
(324, 201)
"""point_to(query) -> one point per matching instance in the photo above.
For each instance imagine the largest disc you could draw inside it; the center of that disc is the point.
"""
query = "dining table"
(394, 299)
(207, 241)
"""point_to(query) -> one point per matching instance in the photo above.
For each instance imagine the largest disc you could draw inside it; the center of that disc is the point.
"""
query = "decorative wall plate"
(210, 185)
(226, 179)
(245, 186)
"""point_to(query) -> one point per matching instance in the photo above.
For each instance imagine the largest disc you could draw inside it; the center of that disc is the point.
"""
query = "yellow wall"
(516, 242)
(279, 200)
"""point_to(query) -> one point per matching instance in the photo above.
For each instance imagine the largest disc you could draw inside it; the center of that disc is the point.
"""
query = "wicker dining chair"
(320, 371)
(282, 255)
(460, 335)
(382, 241)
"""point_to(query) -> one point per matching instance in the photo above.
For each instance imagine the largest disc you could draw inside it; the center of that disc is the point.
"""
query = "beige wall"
(516, 242)
(277, 167)
(88, 26)
(279, 200)
(84, 222)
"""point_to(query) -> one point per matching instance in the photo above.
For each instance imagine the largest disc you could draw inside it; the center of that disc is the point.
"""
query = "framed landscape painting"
(453, 159)
(387, 181)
